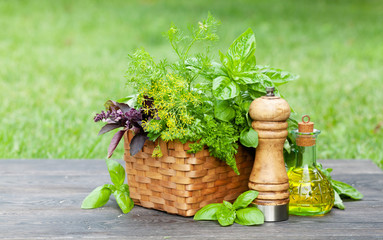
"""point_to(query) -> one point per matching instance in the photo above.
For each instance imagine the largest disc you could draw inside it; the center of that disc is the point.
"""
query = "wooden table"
(40, 199)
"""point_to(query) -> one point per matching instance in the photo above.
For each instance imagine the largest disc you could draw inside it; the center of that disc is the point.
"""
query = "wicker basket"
(182, 183)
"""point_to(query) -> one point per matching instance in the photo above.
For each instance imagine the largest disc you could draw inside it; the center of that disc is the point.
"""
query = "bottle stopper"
(305, 132)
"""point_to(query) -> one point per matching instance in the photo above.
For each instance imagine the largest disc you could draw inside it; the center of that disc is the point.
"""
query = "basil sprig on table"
(239, 212)
(100, 196)
(341, 189)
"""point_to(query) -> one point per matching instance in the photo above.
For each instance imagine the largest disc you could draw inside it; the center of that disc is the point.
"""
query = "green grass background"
(61, 60)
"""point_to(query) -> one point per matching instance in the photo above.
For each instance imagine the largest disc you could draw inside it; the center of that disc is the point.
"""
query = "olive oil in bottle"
(311, 192)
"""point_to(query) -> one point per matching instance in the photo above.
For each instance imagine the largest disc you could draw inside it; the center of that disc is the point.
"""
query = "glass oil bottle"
(311, 192)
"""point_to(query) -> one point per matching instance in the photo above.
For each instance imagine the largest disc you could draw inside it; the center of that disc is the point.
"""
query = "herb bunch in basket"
(194, 98)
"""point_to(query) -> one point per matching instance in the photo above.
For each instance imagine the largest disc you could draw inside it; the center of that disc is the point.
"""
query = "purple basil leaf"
(109, 127)
(115, 140)
(123, 106)
(137, 143)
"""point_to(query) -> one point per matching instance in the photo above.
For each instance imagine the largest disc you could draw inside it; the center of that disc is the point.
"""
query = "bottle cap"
(306, 126)
(304, 138)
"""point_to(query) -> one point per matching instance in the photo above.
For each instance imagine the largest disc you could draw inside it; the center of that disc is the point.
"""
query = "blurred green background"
(61, 60)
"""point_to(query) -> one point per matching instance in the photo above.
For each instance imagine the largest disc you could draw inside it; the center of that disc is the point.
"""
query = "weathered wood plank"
(42, 198)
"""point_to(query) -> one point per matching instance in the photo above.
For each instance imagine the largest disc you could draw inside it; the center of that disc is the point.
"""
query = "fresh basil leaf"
(137, 143)
(115, 141)
(124, 201)
(257, 87)
(246, 77)
(346, 190)
(255, 94)
(290, 160)
(224, 88)
(227, 204)
(287, 146)
(223, 111)
(97, 198)
(249, 216)
(208, 212)
(109, 127)
(225, 61)
(278, 76)
(245, 199)
(325, 172)
(124, 188)
(249, 138)
(241, 51)
(245, 106)
(116, 172)
(338, 201)
(226, 216)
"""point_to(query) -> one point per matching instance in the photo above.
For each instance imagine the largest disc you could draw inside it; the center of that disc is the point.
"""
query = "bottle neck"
(306, 156)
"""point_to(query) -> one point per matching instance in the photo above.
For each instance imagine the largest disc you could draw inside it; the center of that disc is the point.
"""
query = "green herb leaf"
(124, 201)
(278, 76)
(116, 172)
(228, 204)
(223, 111)
(226, 216)
(338, 201)
(245, 199)
(208, 212)
(124, 188)
(346, 190)
(224, 88)
(249, 216)
(249, 138)
(325, 172)
(97, 198)
(241, 51)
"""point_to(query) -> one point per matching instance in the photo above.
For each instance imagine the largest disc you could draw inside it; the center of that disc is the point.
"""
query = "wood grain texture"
(268, 176)
(40, 199)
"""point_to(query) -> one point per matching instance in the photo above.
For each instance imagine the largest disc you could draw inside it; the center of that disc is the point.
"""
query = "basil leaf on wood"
(124, 188)
(208, 212)
(338, 201)
(223, 111)
(124, 201)
(249, 216)
(116, 172)
(226, 216)
(346, 190)
(115, 140)
(97, 198)
(224, 88)
(249, 137)
(227, 204)
(245, 199)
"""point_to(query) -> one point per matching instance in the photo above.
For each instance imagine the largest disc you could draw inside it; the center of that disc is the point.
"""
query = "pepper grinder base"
(275, 213)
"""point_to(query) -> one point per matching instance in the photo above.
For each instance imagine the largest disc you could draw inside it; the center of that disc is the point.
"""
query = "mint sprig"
(239, 212)
(100, 195)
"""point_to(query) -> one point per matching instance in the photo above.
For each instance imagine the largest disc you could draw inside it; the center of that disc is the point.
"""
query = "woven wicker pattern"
(182, 183)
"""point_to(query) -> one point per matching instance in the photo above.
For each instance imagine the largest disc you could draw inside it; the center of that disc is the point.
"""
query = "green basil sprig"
(100, 195)
(341, 189)
(239, 212)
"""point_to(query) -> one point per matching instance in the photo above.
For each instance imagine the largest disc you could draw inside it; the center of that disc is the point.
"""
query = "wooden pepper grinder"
(269, 177)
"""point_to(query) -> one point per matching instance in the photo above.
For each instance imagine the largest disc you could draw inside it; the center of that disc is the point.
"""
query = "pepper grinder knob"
(268, 176)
